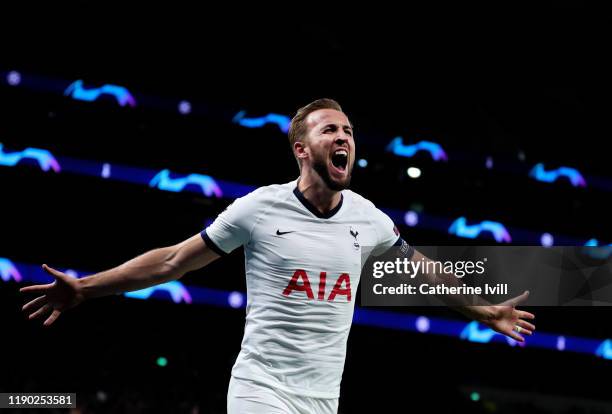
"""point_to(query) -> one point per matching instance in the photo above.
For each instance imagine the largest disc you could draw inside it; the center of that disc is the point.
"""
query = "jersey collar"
(313, 209)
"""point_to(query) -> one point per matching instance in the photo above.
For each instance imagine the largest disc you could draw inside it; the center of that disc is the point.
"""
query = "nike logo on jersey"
(280, 233)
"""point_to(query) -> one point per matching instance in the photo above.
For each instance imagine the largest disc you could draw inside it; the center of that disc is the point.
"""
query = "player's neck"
(318, 193)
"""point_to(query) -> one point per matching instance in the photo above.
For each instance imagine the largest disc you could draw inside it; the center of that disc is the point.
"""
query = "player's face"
(330, 147)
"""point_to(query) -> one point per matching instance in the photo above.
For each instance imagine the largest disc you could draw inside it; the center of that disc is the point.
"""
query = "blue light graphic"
(8, 271)
(207, 184)
(178, 292)
(44, 158)
(602, 252)
(397, 147)
(213, 187)
(77, 91)
(605, 349)
(540, 174)
(461, 229)
(471, 331)
(281, 121)
(594, 243)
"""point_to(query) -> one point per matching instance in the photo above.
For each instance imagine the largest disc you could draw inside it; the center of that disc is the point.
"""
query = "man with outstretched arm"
(303, 247)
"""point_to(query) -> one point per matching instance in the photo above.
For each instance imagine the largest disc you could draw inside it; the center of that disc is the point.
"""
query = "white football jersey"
(302, 273)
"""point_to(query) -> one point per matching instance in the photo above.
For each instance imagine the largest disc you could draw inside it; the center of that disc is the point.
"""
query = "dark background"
(479, 82)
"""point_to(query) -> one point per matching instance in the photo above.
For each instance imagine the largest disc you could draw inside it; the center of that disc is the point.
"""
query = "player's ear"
(300, 150)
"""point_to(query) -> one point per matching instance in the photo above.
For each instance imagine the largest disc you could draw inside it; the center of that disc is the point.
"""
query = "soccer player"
(303, 243)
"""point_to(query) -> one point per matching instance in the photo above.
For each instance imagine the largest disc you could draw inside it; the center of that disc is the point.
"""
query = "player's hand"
(507, 320)
(53, 298)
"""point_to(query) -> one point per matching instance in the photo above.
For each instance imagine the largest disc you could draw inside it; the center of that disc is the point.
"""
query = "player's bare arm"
(151, 268)
(503, 318)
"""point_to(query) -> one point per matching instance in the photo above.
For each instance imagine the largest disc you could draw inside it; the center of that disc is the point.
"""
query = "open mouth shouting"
(339, 161)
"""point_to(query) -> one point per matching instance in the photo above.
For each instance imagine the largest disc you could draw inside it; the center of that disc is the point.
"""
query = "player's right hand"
(53, 298)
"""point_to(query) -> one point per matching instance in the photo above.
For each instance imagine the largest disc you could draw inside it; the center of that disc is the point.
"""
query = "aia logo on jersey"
(301, 283)
(354, 233)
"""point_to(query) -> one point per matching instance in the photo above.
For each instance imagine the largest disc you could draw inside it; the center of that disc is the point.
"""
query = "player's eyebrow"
(335, 126)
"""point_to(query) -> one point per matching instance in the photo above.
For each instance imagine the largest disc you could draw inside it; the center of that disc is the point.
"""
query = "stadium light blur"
(411, 218)
(13, 78)
(413, 172)
(184, 107)
(212, 187)
(467, 331)
(547, 240)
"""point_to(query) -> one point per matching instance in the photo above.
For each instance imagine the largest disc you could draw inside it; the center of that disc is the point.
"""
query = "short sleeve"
(232, 228)
(388, 234)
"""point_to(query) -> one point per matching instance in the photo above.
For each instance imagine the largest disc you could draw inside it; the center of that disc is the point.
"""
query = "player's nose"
(342, 140)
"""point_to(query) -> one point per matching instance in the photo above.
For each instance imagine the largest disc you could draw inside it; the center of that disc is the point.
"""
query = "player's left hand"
(507, 320)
